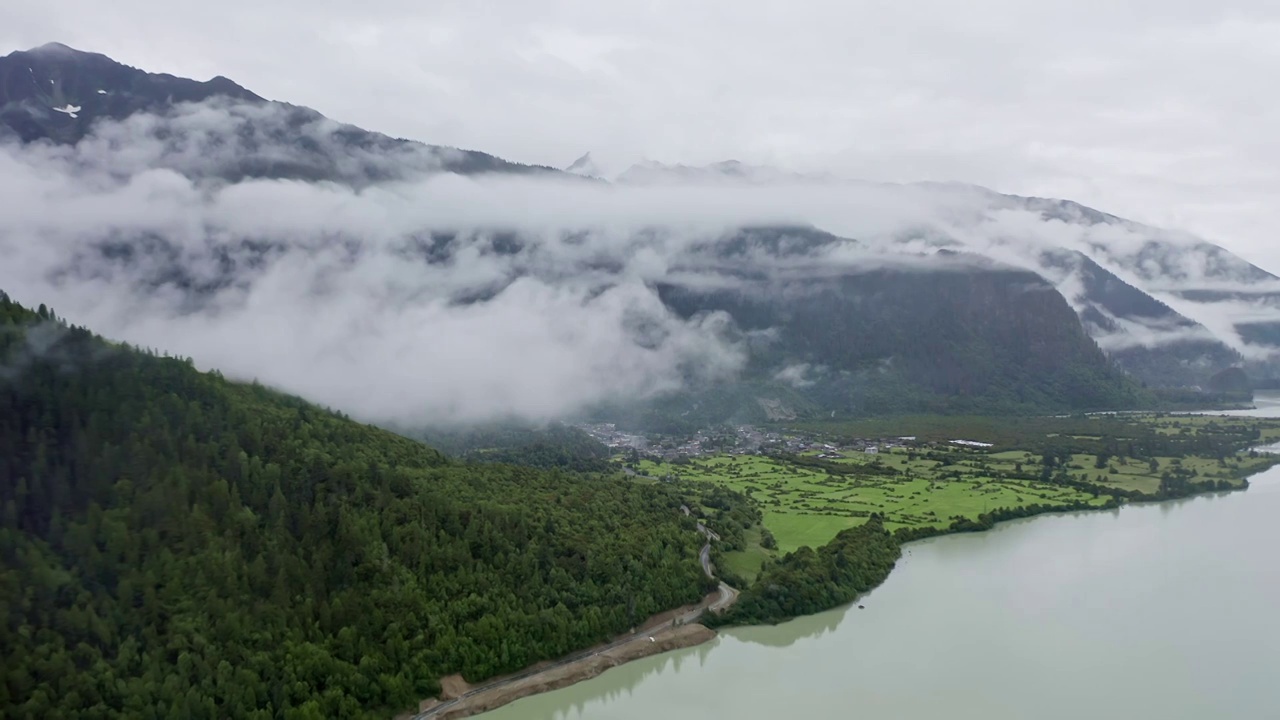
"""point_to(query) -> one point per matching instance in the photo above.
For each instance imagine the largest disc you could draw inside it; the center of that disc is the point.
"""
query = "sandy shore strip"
(556, 677)
(666, 631)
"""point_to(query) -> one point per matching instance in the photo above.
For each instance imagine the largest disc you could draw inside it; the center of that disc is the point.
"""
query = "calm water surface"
(1167, 611)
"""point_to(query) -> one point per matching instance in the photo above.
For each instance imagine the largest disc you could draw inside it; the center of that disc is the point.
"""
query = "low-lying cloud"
(402, 294)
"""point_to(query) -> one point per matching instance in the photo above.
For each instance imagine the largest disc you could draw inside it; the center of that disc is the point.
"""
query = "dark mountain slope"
(39, 87)
(175, 545)
(56, 94)
(949, 332)
(1266, 334)
(968, 338)
(1111, 296)
(1144, 336)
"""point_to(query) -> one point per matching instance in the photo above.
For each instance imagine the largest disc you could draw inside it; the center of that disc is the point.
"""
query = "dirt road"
(681, 631)
(488, 697)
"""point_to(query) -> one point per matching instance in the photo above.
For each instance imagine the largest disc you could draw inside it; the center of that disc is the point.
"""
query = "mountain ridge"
(1109, 286)
(1166, 268)
(98, 88)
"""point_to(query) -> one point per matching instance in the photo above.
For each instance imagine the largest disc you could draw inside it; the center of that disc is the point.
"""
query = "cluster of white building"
(746, 440)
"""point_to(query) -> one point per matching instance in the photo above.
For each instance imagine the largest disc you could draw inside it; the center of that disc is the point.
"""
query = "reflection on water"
(583, 700)
(789, 633)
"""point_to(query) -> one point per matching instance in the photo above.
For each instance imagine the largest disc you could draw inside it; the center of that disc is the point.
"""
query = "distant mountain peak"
(55, 93)
(54, 53)
(585, 166)
(54, 48)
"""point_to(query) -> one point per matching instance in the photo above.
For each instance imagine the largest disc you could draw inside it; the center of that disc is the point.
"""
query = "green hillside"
(173, 544)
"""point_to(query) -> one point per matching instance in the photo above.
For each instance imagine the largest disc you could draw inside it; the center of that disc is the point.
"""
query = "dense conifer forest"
(554, 445)
(173, 544)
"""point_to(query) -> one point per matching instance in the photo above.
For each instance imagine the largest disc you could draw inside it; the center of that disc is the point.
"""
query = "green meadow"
(808, 506)
(806, 501)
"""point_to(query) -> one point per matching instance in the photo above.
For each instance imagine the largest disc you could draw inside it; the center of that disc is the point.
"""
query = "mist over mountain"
(585, 166)
(1143, 335)
(205, 129)
(726, 171)
(1168, 307)
(406, 282)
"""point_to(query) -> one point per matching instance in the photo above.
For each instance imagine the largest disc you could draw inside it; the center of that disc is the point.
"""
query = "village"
(736, 440)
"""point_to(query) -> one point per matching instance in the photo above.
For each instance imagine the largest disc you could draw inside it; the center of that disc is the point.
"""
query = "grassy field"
(807, 506)
(746, 563)
(917, 487)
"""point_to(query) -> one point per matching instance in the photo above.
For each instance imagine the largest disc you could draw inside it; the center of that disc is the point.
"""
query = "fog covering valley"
(410, 284)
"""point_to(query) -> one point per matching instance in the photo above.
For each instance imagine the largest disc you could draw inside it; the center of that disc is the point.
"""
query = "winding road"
(728, 595)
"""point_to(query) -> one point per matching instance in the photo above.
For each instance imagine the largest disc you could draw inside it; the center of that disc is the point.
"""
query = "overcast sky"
(1160, 110)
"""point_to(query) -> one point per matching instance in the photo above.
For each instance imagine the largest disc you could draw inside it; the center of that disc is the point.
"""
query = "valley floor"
(921, 487)
(921, 482)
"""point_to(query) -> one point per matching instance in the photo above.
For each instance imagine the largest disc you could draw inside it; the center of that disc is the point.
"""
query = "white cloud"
(1149, 108)
(795, 375)
(352, 297)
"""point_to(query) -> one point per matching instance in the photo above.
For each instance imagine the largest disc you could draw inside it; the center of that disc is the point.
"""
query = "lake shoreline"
(663, 632)
(563, 674)
(982, 526)
(560, 676)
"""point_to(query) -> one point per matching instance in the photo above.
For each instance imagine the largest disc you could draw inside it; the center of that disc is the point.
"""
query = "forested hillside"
(962, 339)
(554, 445)
(176, 545)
